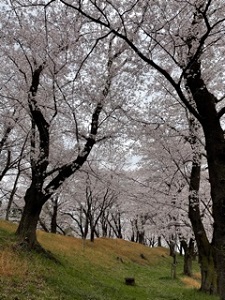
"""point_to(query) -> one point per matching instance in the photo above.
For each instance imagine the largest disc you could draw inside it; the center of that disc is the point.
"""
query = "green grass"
(90, 271)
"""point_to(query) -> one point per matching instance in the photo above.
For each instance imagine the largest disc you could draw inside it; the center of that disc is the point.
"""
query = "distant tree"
(189, 253)
(94, 199)
(115, 220)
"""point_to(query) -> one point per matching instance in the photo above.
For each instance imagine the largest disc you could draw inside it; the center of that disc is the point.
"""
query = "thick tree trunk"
(205, 250)
(215, 148)
(217, 180)
(34, 198)
(26, 231)
(208, 273)
(216, 160)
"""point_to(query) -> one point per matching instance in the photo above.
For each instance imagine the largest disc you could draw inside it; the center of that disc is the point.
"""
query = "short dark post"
(130, 281)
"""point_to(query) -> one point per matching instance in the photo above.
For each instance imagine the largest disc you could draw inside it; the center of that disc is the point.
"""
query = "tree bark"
(141, 237)
(205, 250)
(188, 256)
(159, 241)
(54, 216)
(92, 236)
(115, 224)
(26, 231)
(172, 246)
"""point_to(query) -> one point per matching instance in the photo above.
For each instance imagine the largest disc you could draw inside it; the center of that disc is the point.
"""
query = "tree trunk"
(174, 266)
(26, 231)
(188, 265)
(188, 256)
(216, 161)
(54, 216)
(141, 237)
(116, 226)
(92, 235)
(215, 149)
(172, 246)
(159, 239)
(208, 273)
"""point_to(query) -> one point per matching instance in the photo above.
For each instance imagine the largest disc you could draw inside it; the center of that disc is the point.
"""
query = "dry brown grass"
(12, 264)
(98, 251)
(192, 282)
(9, 226)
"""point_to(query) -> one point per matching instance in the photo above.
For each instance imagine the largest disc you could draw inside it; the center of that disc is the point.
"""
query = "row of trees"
(101, 82)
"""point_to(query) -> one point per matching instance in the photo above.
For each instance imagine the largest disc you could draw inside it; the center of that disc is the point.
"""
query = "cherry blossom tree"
(176, 150)
(61, 96)
(173, 48)
(92, 202)
(182, 42)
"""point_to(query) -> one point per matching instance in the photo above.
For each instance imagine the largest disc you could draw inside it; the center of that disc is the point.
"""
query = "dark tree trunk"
(132, 237)
(215, 148)
(159, 241)
(92, 235)
(206, 104)
(26, 231)
(54, 216)
(104, 224)
(188, 265)
(205, 249)
(181, 248)
(85, 231)
(188, 256)
(208, 273)
(141, 237)
(116, 226)
(34, 197)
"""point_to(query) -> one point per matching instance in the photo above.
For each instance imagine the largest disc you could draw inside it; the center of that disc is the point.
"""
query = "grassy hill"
(90, 271)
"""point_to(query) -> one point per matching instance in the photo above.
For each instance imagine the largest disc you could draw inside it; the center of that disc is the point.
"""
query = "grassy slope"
(89, 271)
